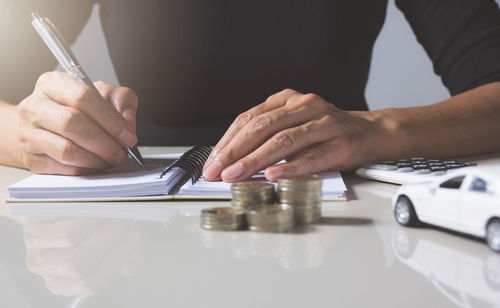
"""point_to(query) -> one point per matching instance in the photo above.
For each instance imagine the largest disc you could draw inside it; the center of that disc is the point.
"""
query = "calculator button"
(437, 168)
(423, 171)
(432, 164)
(469, 164)
(420, 166)
(405, 169)
(382, 167)
(405, 164)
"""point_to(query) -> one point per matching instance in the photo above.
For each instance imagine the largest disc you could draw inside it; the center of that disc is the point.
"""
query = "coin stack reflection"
(222, 218)
(248, 195)
(271, 218)
(304, 194)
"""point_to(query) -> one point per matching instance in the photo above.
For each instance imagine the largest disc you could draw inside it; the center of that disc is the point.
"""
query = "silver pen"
(62, 51)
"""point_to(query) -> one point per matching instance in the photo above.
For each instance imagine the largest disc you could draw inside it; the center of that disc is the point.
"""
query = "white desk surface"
(154, 254)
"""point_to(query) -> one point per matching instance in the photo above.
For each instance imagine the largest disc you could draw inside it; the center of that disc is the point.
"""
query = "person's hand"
(311, 134)
(67, 128)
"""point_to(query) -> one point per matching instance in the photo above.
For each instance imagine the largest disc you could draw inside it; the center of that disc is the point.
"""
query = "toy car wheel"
(405, 212)
(403, 243)
(493, 234)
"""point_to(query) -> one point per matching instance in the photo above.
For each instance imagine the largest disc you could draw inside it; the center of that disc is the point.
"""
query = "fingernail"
(213, 170)
(127, 137)
(121, 158)
(233, 171)
(274, 172)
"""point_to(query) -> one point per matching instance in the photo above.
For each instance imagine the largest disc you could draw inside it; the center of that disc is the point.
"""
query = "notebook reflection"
(466, 276)
(81, 256)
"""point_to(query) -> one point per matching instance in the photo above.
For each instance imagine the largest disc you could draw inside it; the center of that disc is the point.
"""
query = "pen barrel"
(79, 74)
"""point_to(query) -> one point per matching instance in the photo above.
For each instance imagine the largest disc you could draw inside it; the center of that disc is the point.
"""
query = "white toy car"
(466, 201)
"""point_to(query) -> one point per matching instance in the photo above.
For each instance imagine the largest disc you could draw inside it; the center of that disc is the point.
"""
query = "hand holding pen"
(69, 125)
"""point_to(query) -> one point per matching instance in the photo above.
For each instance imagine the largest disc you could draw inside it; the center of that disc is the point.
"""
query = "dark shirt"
(197, 64)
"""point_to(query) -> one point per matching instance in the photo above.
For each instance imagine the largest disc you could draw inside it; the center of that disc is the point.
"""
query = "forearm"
(10, 153)
(466, 124)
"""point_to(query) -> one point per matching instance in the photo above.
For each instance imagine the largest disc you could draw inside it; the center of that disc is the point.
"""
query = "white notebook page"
(132, 180)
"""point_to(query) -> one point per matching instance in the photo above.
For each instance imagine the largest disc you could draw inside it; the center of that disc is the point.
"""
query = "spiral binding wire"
(192, 162)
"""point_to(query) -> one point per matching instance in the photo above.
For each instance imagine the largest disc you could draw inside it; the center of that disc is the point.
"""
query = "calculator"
(411, 170)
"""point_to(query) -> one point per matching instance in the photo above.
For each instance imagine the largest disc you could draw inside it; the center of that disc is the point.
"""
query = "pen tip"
(136, 155)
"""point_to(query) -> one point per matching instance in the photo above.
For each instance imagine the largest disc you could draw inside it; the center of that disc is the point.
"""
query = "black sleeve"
(462, 38)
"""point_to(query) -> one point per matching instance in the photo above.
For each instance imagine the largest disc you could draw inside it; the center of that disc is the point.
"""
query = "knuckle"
(126, 97)
(69, 120)
(66, 151)
(288, 91)
(270, 97)
(259, 123)
(310, 100)
(81, 94)
(24, 107)
(49, 77)
(226, 155)
(23, 136)
(311, 97)
(282, 95)
(45, 77)
(284, 139)
(250, 162)
(308, 161)
(328, 119)
(242, 119)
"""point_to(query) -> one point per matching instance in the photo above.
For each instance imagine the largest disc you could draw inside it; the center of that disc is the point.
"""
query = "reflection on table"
(464, 276)
(81, 256)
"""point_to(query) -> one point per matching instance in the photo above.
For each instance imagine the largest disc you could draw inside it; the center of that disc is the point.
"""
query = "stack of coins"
(304, 194)
(248, 195)
(223, 218)
(271, 218)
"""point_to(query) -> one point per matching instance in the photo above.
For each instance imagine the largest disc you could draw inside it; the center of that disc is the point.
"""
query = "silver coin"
(222, 218)
(304, 195)
(247, 195)
(271, 218)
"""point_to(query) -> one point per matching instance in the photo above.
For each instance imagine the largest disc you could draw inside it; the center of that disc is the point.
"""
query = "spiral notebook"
(166, 177)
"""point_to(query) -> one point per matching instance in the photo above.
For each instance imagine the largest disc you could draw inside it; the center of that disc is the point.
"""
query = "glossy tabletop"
(154, 254)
